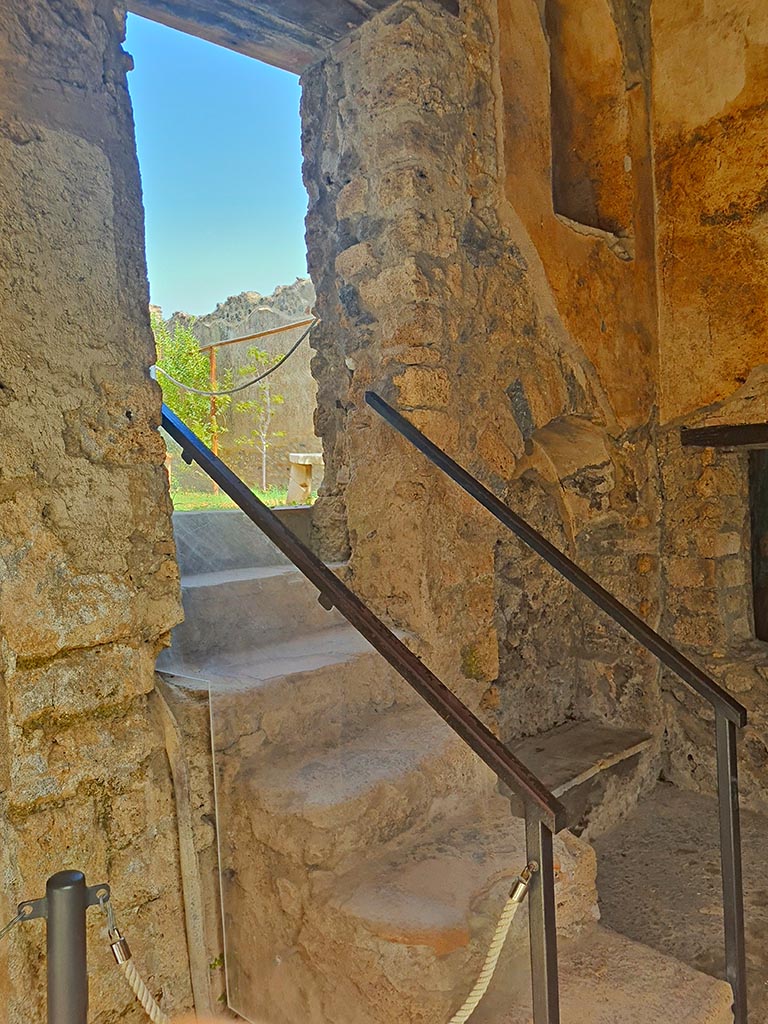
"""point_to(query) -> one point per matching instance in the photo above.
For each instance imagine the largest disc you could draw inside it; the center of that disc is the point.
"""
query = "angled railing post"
(730, 862)
(542, 925)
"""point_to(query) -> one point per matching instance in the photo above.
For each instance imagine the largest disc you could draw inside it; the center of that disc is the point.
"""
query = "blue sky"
(218, 137)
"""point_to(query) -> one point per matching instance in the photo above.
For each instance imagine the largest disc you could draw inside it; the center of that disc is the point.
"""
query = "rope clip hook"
(521, 886)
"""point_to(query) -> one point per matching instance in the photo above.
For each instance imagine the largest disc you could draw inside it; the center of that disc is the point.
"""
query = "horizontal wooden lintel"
(290, 34)
(736, 435)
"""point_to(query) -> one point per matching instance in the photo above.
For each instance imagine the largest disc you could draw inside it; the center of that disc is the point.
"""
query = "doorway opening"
(758, 505)
(219, 144)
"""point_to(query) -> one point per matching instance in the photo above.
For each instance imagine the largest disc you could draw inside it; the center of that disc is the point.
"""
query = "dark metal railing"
(729, 713)
(544, 814)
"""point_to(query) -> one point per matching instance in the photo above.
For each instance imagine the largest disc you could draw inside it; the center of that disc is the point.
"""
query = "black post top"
(65, 880)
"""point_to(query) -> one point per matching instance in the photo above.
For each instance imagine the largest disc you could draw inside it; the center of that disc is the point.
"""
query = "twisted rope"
(472, 1001)
(143, 994)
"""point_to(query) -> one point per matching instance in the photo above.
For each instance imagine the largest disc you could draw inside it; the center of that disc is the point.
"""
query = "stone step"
(398, 766)
(598, 771)
(216, 541)
(401, 934)
(606, 978)
(659, 877)
(440, 883)
(314, 688)
(239, 609)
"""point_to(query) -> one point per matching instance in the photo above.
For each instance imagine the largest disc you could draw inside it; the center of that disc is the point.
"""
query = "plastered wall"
(710, 129)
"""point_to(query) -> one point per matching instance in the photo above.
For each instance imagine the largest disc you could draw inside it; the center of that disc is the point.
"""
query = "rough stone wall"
(522, 343)
(387, 161)
(710, 130)
(88, 581)
(707, 592)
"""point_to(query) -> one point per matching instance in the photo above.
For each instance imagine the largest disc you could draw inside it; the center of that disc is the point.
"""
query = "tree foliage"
(260, 408)
(178, 353)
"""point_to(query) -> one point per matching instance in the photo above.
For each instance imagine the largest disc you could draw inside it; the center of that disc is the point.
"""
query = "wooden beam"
(741, 435)
(237, 26)
(261, 334)
(290, 34)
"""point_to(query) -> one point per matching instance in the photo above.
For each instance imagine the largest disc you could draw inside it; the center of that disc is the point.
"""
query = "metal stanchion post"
(67, 898)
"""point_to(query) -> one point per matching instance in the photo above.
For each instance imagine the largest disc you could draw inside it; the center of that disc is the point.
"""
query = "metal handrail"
(544, 814)
(335, 593)
(729, 713)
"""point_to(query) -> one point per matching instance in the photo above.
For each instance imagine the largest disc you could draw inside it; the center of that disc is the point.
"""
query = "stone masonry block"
(427, 388)
(395, 286)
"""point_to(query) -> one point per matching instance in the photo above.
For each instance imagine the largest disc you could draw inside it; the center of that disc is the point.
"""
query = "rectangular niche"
(591, 165)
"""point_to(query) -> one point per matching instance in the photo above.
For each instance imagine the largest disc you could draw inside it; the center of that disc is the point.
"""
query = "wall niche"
(591, 166)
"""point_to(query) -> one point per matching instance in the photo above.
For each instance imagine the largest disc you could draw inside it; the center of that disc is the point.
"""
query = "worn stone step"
(660, 884)
(398, 935)
(606, 978)
(224, 539)
(313, 689)
(439, 883)
(238, 609)
(401, 765)
(597, 770)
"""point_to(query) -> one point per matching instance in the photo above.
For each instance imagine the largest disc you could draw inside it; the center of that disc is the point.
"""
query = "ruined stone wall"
(521, 342)
(88, 581)
(710, 130)
(707, 591)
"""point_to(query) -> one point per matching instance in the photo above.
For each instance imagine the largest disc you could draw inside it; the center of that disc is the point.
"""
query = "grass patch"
(196, 501)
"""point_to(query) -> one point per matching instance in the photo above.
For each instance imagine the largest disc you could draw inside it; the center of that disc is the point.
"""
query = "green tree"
(179, 355)
(260, 407)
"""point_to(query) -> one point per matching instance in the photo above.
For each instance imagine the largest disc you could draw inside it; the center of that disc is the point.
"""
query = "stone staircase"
(365, 852)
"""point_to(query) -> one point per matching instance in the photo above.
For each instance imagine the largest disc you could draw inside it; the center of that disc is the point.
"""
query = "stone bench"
(300, 476)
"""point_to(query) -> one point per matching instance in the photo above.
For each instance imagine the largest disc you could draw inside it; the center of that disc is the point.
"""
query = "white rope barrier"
(142, 993)
(488, 969)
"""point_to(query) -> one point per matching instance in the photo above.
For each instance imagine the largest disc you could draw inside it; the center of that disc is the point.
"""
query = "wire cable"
(248, 383)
